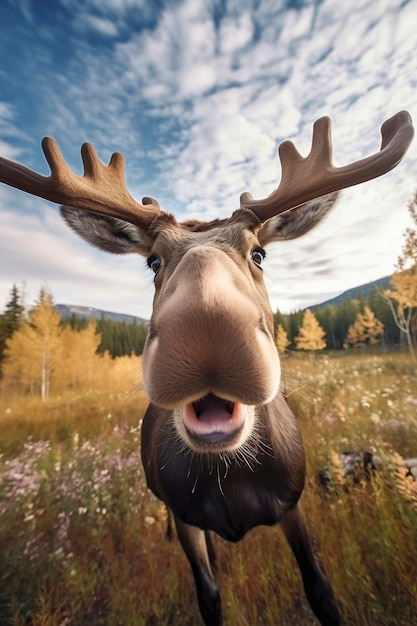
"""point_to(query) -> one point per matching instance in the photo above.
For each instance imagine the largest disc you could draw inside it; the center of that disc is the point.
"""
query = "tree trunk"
(46, 375)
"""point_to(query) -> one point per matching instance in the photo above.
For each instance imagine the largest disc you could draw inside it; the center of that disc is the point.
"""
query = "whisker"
(219, 482)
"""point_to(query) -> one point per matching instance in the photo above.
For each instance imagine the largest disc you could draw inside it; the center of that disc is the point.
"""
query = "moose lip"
(213, 419)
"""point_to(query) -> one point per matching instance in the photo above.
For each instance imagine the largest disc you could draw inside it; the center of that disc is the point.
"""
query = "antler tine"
(304, 179)
(102, 188)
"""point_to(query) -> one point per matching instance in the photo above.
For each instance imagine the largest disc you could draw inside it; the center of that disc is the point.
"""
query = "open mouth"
(213, 419)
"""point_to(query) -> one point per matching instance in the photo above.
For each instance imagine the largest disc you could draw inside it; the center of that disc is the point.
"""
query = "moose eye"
(154, 263)
(258, 255)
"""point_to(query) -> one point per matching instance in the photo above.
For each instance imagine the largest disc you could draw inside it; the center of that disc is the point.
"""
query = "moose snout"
(208, 337)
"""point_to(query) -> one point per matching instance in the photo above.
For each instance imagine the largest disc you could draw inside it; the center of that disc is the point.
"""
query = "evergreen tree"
(311, 334)
(327, 317)
(366, 330)
(119, 338)
(346, 317)
(283, 319)
(295, 322)
(11, 318)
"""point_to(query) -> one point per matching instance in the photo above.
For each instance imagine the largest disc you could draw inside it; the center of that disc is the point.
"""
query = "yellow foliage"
(282, 340)
(126, 372)
(34, 350)
(311, 334)
(79, 355)
(42, 354)
(366, 329)
(402, 298)
(404, 288)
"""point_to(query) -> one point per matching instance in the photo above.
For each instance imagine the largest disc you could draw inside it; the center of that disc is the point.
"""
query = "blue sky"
(198, 94)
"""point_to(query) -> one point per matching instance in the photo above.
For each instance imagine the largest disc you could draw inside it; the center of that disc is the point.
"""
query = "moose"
(220, 446)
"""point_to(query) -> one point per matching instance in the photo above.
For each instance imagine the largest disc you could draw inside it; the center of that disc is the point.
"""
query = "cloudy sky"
(198, 94)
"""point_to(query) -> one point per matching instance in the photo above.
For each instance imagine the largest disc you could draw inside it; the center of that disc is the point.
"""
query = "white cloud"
(106, 7)
(199, 107)
(236, 33)
(197, 79)
(85, 22)
(38, 249)
(8, 129)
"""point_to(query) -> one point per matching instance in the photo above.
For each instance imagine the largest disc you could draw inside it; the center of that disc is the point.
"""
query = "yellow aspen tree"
(353, 337)
(282, 340)
(402, 298)
(79, 356)
(34, 350)
(367, 329)
(103, 372)
(19, 368)
(126, 373)
(311, 334)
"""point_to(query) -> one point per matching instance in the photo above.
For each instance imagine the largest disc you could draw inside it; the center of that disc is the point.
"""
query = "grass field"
(82, 541)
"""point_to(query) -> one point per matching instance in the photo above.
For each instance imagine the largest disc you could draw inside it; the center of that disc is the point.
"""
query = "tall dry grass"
(82, 541)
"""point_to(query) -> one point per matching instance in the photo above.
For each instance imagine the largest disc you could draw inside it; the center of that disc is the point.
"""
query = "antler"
(307, 178)
(102, 188)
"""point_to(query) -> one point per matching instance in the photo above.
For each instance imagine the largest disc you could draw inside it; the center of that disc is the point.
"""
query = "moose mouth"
(213, 419)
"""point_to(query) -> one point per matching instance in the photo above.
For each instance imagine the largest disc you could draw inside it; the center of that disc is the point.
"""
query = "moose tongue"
(212, 414)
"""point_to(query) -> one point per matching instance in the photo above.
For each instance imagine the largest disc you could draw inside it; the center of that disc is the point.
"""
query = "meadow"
(83, 542)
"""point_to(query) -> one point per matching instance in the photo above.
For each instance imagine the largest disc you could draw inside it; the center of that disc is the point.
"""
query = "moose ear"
(297, 222)
(107, 233)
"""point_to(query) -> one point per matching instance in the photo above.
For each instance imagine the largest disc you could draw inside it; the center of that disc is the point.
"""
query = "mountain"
(355, 292)
(88, 312)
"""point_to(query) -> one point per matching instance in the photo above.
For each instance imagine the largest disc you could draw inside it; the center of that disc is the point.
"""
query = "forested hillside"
(336, 319)
(117, 338)
(90, 313)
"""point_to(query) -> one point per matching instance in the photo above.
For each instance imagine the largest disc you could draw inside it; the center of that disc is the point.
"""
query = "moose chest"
(229, 496)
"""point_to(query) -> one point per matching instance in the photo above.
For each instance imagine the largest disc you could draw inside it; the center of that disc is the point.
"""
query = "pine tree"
(311, 334)
(11, 318)
(367, 329)
(327, 318)
(282, 340)
(119, 338)
(347, 313)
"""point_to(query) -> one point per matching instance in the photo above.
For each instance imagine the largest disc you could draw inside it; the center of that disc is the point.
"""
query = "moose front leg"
(317, 588)
(200, 553)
